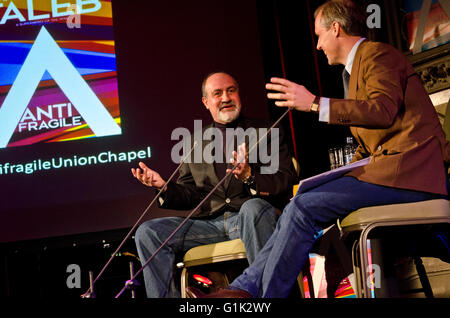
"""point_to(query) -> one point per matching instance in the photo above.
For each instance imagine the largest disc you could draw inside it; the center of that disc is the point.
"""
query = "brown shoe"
(193, 292)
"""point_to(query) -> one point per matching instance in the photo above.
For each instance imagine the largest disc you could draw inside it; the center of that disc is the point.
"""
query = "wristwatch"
(315, 105)
(249, 180)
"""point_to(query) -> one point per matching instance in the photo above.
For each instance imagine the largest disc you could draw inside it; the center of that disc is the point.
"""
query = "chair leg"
(183, 286)
(421, 272)
(364, 262)
(423, 277)
(356, 268)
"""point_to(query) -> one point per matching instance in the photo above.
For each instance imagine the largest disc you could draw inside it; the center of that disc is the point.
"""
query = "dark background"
(164, 49)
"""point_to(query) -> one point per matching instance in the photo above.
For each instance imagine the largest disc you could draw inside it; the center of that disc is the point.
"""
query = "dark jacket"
(196, 180)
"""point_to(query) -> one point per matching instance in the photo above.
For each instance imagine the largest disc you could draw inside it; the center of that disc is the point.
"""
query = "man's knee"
(146, 232)
(255, 209)
(304, 210)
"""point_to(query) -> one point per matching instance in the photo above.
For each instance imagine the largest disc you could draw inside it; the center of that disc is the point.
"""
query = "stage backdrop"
(89, 88)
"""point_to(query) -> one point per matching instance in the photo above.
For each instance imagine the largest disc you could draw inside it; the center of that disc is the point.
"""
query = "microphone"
(90, 292)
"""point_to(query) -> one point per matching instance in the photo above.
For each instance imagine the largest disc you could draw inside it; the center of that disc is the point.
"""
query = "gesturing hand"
(148, 177)
(289, 94)
(240, 161)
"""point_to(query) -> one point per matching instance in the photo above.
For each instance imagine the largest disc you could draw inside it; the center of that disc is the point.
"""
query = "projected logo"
(54, 90)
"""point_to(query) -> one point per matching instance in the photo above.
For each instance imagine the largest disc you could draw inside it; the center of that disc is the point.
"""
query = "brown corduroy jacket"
(391, 116)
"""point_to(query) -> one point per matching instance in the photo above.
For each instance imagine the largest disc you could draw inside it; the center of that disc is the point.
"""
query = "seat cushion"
(216, 252)
(438, 208)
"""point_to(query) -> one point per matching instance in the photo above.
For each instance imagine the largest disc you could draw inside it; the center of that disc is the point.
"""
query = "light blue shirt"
(324, 113)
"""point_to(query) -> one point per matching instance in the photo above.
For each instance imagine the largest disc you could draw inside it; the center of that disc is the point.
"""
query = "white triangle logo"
(46, 55)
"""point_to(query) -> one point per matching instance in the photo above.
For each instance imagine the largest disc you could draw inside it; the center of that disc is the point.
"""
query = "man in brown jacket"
(394, 122)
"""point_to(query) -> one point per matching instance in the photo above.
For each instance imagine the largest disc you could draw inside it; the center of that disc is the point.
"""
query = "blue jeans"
(275, 269)
(254, 224)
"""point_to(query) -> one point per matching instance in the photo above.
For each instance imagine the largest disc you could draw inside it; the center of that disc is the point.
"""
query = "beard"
(229, 116)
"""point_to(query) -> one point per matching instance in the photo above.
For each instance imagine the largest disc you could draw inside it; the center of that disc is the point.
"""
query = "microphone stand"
(90, 292)
(129, 284)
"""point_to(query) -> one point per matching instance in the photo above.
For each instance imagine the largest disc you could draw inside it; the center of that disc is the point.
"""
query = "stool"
(209, 254)
(365, 220)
